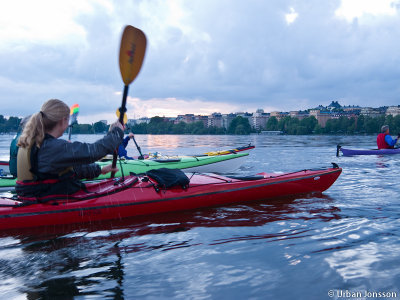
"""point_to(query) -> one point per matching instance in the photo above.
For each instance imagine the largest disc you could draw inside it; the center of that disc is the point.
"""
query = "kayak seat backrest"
(168, 178)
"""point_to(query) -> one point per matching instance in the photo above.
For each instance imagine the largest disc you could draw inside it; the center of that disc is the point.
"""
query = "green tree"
(99, 127)
(158, 125)
(318, 129)
(195, 128)
(372, 125)
(396, 125)
(360, 124)
(12, 124)
(309, 123)
(179, 128)
(272, 124)
(140, 128)
(242, 123)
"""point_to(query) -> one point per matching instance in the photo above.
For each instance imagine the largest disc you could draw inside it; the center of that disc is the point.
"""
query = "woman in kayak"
(47, 165)
(384, 140)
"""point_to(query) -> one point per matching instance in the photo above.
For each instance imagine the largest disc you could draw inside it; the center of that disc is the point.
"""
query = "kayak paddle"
(138, 148)
(131, 55)
(73, 118)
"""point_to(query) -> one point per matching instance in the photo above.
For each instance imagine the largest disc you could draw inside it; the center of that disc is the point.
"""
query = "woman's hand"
(108, 168)
(131, 135)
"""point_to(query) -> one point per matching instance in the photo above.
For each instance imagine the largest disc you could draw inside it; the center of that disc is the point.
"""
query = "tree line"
(11, 125)
(158, 125)
(342, 125)
(239, 126)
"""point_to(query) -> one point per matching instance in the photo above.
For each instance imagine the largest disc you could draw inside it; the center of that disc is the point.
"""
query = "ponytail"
(51, 113)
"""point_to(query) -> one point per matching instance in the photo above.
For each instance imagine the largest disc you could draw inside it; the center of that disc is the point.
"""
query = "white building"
(393, 110)
(370, 112)
(259, 119)
(215, 120)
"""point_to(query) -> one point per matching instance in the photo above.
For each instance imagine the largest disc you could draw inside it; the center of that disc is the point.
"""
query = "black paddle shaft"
(140, 151)
(122, 111)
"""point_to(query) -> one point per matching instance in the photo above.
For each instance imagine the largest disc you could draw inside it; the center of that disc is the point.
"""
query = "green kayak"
(201, 164)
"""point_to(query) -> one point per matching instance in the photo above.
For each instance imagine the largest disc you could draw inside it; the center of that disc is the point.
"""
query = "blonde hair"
(50, 114)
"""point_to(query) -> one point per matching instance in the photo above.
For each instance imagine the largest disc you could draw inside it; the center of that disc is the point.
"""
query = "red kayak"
(139, 195)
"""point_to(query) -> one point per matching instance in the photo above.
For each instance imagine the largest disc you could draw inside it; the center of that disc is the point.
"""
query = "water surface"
(286, 248)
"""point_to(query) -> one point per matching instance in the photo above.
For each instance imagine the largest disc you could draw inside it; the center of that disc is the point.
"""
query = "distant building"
(370, 112)
(131, 122)
(299, 114)
(259, 119)
(352, 109)
(143, 120)
(188, 118)
(276, 114)
(215, 120)
(203, 119)
(321, 116)
(334, 106)
(393, 110)
(346, 114)
(227, 119)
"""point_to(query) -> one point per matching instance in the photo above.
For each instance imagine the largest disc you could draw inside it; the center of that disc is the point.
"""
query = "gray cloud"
(223, 51)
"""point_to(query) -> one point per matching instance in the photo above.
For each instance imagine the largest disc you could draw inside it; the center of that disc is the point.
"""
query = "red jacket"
(380, 141)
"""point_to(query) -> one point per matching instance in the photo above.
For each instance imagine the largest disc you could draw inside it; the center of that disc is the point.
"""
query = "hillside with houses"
(333, 118)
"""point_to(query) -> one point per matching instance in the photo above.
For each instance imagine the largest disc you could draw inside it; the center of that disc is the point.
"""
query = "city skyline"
(259, 119)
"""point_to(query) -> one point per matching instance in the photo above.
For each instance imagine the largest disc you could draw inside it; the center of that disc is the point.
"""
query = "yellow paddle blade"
(131, 55)
(125, 116)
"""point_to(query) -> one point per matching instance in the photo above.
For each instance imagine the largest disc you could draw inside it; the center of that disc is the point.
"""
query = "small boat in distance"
(351, 152)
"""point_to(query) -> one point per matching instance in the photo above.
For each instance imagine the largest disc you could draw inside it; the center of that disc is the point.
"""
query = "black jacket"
(55, 156)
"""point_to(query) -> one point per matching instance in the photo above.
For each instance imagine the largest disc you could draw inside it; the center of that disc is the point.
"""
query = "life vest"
(32, 183)
(24, 165)
(380, 141)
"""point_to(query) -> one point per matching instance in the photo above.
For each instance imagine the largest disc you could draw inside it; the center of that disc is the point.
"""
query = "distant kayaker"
(384, 140)
(122, 148)
(47, 165)
(14, 147)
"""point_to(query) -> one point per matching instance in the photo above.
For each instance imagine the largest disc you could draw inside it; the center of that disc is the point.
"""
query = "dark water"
(344, 242)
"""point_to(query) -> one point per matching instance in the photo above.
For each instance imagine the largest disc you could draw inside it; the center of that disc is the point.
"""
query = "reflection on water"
(288, 248)
(163, 141)
(67, 261)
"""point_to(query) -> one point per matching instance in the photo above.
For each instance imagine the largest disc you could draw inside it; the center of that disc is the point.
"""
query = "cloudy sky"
(203, 56)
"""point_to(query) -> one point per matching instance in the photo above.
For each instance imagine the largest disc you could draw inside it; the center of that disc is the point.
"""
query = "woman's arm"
(57, 154)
